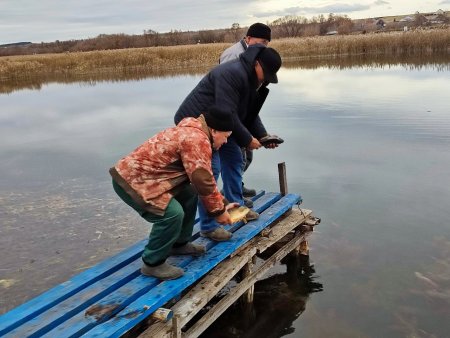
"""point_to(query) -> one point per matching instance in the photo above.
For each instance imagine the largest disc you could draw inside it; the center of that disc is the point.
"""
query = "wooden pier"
(113, 299)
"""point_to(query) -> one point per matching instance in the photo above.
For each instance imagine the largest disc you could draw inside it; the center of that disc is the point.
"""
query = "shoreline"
(197, 59)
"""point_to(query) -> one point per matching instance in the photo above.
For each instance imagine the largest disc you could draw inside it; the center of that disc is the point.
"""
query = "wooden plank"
(242, 287)
(201, 294)
(63, 311)
(56, 300)
(163, 292)
(246, 271)
(128, 293)
(211, 284)
(282, 178)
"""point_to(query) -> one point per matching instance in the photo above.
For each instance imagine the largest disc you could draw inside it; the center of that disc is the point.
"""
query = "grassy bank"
(157, 59)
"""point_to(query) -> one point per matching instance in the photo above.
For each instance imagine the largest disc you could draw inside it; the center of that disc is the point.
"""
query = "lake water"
(367, 147)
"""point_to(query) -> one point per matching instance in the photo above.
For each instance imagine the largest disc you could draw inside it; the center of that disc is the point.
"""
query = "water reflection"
(437, 62)
(92, 79)
(279, 300)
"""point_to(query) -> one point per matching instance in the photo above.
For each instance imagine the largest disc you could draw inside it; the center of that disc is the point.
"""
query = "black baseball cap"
(270, 62)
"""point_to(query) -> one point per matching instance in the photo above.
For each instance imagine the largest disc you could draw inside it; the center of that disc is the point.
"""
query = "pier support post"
(282, 178)
(246, 271)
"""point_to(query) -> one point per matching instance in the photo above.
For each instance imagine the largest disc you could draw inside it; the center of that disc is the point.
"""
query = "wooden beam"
(247, 271)
(235, 293)
(210, 285)
(282, 178)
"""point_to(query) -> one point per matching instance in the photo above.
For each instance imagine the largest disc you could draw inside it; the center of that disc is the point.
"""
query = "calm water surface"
(366, 147)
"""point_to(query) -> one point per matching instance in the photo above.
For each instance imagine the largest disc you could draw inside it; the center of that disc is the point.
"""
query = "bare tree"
(289, 26)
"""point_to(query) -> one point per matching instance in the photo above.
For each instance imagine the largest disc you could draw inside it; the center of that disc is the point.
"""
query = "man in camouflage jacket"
(161, 180)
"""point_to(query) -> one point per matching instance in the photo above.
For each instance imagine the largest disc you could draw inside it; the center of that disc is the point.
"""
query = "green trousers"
(172, 229)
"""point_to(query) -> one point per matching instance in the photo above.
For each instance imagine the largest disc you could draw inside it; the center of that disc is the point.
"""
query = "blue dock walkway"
(111, 298)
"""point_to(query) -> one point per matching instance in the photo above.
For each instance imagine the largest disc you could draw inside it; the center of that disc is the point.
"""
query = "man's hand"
(254, 144)
(271, 141)
(224, 218)
(232, 206)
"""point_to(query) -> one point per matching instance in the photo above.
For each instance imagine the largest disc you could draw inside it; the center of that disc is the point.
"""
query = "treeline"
(286, 27)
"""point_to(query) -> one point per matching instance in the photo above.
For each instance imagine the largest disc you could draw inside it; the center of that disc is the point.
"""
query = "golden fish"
(238, 214)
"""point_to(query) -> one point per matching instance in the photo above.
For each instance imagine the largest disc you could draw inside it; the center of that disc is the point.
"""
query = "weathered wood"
(201, 294)
(210, 285)
(158, 295)
(235, 293)
(176, 325)
(282, 178)
(162, 315)
(246, 271)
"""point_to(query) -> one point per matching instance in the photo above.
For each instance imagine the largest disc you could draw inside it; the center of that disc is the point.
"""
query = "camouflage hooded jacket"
(153, 172)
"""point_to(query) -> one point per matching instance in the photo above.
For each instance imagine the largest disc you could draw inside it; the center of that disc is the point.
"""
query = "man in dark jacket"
(238, 87)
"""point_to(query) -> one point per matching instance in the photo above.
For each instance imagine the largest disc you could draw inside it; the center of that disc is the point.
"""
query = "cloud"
(332, 8)
(381, 2)
(445, 2)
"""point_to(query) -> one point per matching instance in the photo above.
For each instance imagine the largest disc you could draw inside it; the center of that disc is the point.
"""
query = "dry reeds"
(155, 59)
(418, 42)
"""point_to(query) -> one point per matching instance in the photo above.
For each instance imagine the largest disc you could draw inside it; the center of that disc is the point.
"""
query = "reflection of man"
(258, 33)
(233, 86)
(154, 181)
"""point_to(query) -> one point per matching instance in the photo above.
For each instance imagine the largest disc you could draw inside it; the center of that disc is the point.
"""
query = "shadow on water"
(438, 61)
(278, 301)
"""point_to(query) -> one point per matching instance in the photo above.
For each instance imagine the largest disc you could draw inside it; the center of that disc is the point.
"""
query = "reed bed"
(156, 59)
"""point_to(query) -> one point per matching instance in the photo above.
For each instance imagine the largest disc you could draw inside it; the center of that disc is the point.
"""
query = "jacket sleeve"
(228, 92)
(196, 154)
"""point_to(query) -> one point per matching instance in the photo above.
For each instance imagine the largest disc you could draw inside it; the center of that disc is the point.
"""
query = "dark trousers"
(247, 155)
(227, 162)
(175, 227)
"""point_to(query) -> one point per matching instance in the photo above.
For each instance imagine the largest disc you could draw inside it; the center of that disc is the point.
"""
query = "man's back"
(233, 52)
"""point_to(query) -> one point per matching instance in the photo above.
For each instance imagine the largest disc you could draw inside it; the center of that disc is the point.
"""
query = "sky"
(51, 20)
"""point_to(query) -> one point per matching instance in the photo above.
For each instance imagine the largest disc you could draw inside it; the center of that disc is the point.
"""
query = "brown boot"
(163, 271)
(251, 216)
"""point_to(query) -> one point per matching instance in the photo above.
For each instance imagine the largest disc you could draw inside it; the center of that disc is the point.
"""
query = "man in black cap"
(233, 86)
(258, 33)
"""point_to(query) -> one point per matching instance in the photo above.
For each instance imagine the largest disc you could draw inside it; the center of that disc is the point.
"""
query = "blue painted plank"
(50, 298)
(77, 303)
(165, 291)
(60, 293)
(126, 294)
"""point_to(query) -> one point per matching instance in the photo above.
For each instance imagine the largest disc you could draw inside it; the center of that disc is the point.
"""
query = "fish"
(238, 214)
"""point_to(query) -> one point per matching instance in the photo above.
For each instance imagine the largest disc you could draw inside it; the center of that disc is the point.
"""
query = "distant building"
(407, 19)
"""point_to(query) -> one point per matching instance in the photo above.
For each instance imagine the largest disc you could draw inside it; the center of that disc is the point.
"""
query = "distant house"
(407, 19)
(438, 17)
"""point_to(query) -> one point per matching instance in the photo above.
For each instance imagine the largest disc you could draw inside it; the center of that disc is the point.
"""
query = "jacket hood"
(251, 53)
(198, 123)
